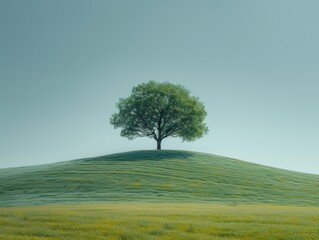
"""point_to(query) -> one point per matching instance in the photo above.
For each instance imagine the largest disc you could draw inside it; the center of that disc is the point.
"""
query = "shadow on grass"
(154, 155)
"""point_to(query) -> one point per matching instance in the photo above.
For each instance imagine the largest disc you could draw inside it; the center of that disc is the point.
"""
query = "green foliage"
(160, 110)
(157, 176)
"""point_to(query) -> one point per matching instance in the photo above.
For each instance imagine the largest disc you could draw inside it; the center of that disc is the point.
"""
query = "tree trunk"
(159, 141)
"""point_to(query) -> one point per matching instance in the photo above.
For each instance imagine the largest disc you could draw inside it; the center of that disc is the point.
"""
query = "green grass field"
(136, 221)
(157, 176)
(158, 195)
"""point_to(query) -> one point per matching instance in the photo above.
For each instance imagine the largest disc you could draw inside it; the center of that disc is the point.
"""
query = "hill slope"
(171, 176)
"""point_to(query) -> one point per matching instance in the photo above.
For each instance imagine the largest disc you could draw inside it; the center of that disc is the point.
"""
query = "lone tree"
(160, 110)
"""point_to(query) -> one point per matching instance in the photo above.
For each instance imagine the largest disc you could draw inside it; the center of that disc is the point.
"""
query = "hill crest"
(166, 175)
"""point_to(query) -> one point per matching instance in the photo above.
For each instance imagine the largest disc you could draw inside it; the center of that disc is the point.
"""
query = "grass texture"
(157, 176)
(151, 221)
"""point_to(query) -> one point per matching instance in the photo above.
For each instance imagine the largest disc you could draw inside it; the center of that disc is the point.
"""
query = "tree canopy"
(160, 110)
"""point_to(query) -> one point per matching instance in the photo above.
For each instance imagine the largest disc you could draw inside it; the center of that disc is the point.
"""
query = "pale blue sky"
(254, 64)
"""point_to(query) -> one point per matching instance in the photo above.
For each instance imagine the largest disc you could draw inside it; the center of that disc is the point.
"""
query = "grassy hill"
(157, 176)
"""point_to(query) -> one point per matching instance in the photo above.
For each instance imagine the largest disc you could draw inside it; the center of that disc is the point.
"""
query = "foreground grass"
(124, 221)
